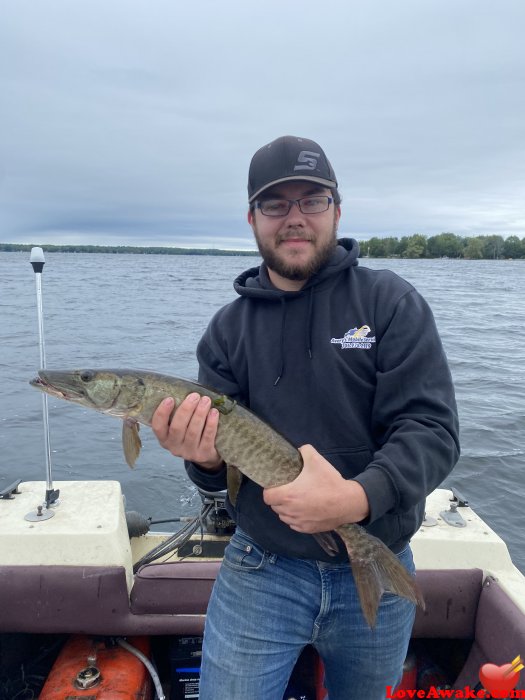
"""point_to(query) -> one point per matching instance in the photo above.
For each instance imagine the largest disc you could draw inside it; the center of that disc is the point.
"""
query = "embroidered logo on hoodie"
(356, 338)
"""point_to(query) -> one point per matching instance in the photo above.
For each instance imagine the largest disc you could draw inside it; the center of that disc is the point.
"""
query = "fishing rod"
(37, 261)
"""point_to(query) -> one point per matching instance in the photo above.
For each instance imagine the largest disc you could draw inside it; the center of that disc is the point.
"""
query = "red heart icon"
(495, 680)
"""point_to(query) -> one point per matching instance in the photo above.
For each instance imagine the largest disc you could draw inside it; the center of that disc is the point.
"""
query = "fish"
(248, 445)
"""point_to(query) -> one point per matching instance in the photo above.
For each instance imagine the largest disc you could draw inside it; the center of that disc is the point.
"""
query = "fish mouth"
(43, 384)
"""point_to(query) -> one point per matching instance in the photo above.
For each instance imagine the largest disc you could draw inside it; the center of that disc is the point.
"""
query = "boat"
(93, 604)
(95, 576)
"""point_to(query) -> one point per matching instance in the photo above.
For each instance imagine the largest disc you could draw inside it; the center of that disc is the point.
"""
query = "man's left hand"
(319, 499)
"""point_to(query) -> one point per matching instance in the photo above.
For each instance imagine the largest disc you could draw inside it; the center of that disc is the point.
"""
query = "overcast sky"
(133, 122)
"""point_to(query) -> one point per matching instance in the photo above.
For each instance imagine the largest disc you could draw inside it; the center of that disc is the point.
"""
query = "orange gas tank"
(88, 668)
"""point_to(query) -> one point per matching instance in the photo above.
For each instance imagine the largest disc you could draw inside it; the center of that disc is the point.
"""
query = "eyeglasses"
(307, 205)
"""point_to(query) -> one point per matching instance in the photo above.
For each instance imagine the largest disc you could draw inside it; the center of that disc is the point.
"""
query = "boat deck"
(74, 573)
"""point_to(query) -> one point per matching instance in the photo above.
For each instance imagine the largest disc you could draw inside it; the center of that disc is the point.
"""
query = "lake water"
(149, 311)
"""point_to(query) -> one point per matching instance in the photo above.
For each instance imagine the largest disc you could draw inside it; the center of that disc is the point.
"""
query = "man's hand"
(191, 432)
(319, 499)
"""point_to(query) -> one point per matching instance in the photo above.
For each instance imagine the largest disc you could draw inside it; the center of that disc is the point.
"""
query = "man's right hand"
(191, 432)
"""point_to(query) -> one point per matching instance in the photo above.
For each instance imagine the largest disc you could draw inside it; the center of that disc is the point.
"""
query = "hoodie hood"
(256, 282)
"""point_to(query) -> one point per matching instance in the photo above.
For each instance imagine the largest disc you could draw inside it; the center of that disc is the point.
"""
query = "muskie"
(246, 443)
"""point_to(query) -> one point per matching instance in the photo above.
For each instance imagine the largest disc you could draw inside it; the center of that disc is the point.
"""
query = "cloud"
(131, 123)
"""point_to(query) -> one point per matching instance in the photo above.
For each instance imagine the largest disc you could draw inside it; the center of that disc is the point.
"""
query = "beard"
(300, 271)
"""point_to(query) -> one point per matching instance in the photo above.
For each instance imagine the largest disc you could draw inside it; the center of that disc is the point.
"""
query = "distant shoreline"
(442, 246)
(120, 249)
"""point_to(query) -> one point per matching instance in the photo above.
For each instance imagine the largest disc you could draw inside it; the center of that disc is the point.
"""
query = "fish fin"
(131, 442)
(327, 541)
(224, 404)
(234, 480)
(377, 572)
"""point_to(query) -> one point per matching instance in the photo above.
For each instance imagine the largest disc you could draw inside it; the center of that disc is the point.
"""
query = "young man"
(346, 363)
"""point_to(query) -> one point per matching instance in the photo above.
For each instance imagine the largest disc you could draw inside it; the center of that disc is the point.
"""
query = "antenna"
(37, 260)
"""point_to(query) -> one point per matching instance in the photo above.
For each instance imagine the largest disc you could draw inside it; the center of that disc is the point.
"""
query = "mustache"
(295, 234)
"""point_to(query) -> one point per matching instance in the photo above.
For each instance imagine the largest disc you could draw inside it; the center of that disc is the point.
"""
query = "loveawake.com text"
(433, 692)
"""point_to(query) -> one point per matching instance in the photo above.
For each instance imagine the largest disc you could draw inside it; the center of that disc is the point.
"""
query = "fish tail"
(377, 571)
(327, 542)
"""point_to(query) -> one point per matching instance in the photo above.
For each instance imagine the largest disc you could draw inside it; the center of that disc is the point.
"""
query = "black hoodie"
(351, 364)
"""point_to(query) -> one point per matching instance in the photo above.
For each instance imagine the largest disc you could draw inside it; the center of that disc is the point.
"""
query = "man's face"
(294, 247)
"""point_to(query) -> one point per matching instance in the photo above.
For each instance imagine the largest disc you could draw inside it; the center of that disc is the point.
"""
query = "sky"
(133, 122)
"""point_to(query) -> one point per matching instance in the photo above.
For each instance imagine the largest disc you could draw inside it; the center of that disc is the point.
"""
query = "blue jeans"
(265, 609)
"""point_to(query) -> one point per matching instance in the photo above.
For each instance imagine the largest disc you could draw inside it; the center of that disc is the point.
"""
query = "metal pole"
(37, 261)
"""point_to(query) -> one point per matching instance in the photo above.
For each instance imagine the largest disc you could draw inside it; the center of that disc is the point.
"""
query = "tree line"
(445, 245)
(149, 250)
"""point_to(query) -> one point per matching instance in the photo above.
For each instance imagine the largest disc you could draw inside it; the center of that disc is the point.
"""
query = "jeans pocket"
(406, 558)
(243, 554)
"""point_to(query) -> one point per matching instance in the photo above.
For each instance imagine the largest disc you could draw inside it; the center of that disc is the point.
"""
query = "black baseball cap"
(289, 158)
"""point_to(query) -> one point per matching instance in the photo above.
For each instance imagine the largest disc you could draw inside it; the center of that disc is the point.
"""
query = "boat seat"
(174, 588)
(451, 596)
(85, 600)
(499, 634)
(61, 598)
(451, 601)
(171, 598)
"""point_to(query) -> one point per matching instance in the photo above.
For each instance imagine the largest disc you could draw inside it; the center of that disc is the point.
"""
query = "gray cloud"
(134, 123)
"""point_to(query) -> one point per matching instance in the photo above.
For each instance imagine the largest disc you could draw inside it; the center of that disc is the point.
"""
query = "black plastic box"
(185, 662)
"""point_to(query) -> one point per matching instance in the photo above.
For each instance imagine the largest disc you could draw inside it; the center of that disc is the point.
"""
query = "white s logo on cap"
(308, 159)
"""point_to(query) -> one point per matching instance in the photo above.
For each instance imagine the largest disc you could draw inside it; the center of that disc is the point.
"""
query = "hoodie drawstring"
(309, 322)
(308, 331)
(281, 341)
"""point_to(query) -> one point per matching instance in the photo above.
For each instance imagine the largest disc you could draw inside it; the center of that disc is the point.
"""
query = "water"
(150, 311)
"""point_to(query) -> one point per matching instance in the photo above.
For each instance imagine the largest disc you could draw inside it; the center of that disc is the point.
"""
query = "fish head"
(118, 393)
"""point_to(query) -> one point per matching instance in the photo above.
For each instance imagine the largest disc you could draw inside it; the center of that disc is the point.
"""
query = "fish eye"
(86, 376)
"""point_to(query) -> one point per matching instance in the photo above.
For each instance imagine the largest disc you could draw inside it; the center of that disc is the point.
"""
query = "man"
(349, 360)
